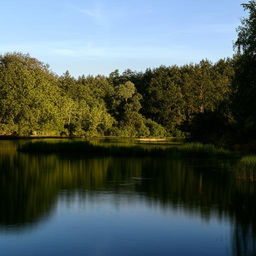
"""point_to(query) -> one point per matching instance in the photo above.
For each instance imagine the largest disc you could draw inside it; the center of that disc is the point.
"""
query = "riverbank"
(146, 139)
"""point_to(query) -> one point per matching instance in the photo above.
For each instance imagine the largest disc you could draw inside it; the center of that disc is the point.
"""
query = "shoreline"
(150, 139)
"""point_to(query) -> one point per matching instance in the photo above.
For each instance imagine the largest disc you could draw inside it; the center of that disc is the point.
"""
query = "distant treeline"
(35, 101)
(210, 102)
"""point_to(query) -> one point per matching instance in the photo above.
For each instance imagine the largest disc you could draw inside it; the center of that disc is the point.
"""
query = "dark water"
(53, 205)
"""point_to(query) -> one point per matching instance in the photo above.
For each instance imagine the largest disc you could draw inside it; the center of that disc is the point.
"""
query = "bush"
(155, 129)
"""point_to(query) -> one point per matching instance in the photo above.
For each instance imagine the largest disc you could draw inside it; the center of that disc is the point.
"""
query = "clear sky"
(99, 36)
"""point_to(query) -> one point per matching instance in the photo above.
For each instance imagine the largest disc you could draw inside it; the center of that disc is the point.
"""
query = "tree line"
(204, 101)
(35, 101)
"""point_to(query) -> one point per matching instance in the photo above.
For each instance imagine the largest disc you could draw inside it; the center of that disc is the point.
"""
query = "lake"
(60, 205)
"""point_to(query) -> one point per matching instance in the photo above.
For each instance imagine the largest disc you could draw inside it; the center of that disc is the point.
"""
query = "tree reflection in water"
(30, 187)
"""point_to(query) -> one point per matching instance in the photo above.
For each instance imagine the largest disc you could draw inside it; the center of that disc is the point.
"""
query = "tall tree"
(30, 99)
(244, 105)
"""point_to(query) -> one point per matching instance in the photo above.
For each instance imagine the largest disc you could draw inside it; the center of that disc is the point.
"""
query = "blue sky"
(99, 36)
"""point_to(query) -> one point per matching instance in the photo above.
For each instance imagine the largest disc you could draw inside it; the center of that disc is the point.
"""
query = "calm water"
(54, 205)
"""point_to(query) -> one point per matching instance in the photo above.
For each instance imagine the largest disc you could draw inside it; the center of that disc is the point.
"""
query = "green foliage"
(88, 116)
(246, 41)
(155, 129)
(206, 85)
(165, 100)
(35, 101)
(244, 104)
(230, 117)
(30, 100)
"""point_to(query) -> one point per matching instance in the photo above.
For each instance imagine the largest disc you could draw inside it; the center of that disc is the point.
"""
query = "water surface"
(54, 205)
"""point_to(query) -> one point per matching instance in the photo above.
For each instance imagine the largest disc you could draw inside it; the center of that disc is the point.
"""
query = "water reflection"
(31, 186)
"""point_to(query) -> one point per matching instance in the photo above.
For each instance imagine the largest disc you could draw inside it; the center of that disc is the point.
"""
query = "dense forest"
(208, 102)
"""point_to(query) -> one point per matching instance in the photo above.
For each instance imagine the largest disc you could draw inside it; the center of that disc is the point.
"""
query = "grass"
(85, 148)
(198, 149)
(249, 161)
(246, 169)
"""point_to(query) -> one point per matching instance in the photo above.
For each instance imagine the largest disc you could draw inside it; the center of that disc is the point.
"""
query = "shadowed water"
(59, 205)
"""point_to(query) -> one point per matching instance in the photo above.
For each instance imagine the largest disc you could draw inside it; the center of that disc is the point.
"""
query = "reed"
(249, 161)
(85, 148)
